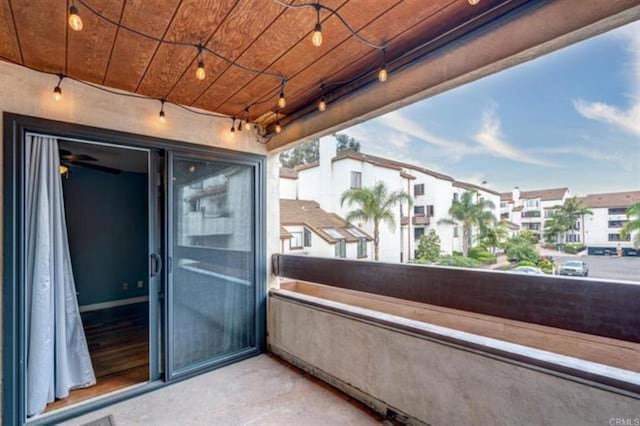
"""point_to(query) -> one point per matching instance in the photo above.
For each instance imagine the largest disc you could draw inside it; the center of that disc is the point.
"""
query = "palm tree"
(494, 235)
(470, 213)
(571, 211)
(374, 204)
(633, 213)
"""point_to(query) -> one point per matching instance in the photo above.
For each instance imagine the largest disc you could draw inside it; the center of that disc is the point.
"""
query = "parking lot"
(609, 267)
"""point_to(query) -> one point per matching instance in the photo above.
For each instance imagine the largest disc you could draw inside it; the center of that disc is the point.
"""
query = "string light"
(282, 102)
(57, 91)
(233, 127)
(322, 105)
(201, 73)
(316, 37)
(382, 73)
(161, 115)
(239, 125)
(75, 21)
(473, 2)
(278, 127)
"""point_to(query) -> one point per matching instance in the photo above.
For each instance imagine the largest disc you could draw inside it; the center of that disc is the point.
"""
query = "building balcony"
(418, 219)
(196, 224)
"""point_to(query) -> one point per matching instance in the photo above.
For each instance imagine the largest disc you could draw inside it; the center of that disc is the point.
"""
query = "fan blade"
(78, 157)
(97, 167)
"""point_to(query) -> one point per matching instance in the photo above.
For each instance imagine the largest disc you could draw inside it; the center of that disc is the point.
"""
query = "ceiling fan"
(69, 160)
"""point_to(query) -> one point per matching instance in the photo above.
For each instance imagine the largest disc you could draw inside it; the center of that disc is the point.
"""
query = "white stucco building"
(334, 173)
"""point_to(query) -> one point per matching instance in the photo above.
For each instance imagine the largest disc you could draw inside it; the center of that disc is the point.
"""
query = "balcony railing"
(418, 219)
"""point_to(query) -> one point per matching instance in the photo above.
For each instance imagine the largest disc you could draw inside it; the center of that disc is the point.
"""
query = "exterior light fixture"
(201, 73)
(75, 21)
(161, 115)
(382, 73)
(57, 91)
(316, 36)
(282, 102)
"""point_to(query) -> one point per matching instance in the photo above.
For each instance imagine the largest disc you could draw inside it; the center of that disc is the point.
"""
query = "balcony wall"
(427, 365)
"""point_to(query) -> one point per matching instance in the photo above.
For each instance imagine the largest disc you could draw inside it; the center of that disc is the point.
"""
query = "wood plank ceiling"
(259, 34)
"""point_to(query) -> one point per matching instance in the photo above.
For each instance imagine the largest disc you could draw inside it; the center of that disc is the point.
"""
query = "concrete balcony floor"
(259, 391)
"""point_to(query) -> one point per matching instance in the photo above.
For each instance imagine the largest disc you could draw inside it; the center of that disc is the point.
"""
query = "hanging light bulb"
(75, 22)
(278, 127)
(201, 73)
(382, 73)
(240, 125)
(322, 105)
(316, 36)
(57, 93)
(161, 114)
(473, 2)
(282, 102)
(233, 127)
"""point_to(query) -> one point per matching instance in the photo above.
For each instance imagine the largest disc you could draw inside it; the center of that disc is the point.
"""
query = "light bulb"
(322, 105)
(233, 129)
(282, 102)
(473, 2)
(383, 74)
(162, 117)
(240, 126)
(57, 93)
(75, 22)
(278, 128)
(63, 169)
(201, 73)
(316, 37)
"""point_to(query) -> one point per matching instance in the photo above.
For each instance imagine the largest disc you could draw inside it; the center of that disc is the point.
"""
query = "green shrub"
(526, 263)
(459, 261)
(428, 247)
(522, 251)
(482, 255)
(546, 266)
(573, 248)
(457, 253)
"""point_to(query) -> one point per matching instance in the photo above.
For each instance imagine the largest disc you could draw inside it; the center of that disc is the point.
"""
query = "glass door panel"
(211, 294)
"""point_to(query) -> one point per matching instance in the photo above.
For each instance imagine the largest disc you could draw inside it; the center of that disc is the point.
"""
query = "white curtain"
(57, 353)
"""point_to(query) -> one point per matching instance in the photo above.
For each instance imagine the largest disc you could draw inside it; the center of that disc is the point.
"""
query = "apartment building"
(328, 178)
(307, 229)
(602, 228)
(530, 209)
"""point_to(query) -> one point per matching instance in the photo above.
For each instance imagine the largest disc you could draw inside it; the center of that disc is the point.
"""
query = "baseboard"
(113, 303)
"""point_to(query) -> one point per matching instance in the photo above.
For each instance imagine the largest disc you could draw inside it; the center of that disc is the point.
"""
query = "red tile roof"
(390, 164)
(611, 199)
(506, 196)
(544, 194)
(474, 187)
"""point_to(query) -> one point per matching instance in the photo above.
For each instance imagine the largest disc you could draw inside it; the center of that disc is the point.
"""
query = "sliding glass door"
(211, 274)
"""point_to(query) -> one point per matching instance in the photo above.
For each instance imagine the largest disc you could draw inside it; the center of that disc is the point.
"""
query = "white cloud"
(585, 152)
(490, 137)
(628, 119)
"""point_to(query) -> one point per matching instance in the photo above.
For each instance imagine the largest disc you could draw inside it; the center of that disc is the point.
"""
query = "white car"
(531, 270)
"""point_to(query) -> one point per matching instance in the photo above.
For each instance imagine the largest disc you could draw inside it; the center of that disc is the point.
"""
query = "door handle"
(156, 262)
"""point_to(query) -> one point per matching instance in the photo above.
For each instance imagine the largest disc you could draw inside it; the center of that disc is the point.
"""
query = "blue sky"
(571, 118)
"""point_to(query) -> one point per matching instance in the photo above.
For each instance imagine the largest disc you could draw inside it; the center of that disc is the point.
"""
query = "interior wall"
(107, 225)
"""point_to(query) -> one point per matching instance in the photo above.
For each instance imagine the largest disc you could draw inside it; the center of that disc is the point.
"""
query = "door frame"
(13, 296)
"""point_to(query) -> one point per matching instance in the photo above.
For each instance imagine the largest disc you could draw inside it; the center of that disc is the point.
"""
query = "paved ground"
(261, 390)
(616, 268)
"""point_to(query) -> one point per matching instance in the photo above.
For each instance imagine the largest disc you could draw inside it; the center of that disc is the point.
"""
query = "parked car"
(576, 268)
(528, 270)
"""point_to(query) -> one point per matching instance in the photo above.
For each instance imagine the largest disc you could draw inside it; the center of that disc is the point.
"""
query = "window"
(618, 210)
(418, 209)
(296, 240)
(548, 213)
(430, 211)
(455, 232)
(418, 232)
(573, 238)
(307, 238)
(356, 180)
(357, 233)
(504, 215)
(531, 213)
(362, 247)
(533, 226)
(455, 196)
(418, 189)
(617, 223)
(532, 203)
(617, 237)
(503, 205)
(333, 233)
(341, 248)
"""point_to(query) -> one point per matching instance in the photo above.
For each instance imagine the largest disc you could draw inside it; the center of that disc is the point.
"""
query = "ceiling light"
(383, 74)
(63, 169)
(282, 102)
(75, 22)
(316, 36)
(161, 113)
(201, 73)
(322, 105)
(278, 128)
(57, 93)
(473, 2)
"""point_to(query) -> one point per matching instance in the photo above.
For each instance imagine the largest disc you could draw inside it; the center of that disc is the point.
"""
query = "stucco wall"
(28, 92)
(434, 382)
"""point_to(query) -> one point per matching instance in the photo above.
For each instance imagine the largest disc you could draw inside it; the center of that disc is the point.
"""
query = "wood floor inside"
(118, 340)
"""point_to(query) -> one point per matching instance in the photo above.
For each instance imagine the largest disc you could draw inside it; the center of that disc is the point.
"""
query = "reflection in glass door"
(211, 282)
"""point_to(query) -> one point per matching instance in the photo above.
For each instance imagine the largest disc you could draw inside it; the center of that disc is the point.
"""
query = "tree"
(428, 247)
(633, 213)
(572, 210)
(493, 236)
(470, 212)
(555, 227)
(346, 143)
(305, 153)
(522, 247)
(375, 205)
